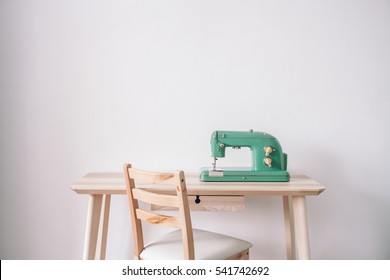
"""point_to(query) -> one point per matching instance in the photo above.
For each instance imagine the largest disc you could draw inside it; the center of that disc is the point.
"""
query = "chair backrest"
(179, 200)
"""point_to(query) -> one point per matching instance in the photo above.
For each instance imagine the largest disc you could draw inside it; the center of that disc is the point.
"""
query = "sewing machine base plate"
(243, 176)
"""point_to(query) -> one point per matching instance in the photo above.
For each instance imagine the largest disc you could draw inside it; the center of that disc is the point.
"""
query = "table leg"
(289, 227)
(92, 230)
(301, 227)
(104, 231)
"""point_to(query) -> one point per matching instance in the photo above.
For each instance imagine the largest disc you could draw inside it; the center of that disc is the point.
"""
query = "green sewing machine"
(269, 163)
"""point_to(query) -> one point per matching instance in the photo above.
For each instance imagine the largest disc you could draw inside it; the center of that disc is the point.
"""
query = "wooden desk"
(100, 187)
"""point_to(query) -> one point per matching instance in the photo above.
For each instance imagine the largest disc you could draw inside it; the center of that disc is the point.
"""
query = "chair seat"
(208, 246)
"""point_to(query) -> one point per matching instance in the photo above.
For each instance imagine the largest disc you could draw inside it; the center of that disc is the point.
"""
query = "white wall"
(89, 85)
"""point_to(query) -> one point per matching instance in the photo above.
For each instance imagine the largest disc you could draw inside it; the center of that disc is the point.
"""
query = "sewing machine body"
(269, 163)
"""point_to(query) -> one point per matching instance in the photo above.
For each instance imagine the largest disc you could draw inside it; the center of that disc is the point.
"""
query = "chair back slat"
(152, 177)
(157, 219)
(156, 198)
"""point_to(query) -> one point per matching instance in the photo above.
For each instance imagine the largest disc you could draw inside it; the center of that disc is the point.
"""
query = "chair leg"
(243, 255)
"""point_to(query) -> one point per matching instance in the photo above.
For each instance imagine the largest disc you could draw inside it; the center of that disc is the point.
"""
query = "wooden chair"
(184, 242)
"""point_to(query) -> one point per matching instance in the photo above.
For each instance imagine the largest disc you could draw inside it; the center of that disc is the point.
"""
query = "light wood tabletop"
(114, 183)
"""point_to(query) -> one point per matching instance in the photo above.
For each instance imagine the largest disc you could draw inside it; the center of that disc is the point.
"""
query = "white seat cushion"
(208, 246)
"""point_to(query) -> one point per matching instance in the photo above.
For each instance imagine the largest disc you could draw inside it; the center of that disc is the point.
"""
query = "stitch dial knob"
(268, 150)
(268, 162)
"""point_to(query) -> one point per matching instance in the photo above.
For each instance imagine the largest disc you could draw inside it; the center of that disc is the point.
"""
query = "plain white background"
(89, 85)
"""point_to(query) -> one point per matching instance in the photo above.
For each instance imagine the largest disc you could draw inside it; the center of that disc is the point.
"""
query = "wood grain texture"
(157, 219)
(114, 183)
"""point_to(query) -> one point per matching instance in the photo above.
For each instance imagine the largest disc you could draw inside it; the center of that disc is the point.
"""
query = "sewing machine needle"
(214, 164)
